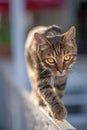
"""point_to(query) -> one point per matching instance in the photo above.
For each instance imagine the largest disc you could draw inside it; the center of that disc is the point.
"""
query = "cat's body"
(49, 55)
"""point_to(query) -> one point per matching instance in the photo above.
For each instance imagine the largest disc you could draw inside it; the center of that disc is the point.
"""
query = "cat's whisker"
(42, 71)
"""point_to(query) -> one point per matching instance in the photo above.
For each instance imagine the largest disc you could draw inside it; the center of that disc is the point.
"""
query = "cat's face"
(57, 53)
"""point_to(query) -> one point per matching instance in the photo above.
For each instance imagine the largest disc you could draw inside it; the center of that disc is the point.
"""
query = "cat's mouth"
(61, 74)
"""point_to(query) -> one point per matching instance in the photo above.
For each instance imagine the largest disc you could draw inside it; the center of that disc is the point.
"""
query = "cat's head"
(57, 53)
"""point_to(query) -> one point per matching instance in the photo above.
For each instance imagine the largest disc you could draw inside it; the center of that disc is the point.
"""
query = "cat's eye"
(67, 58)
(51, 60)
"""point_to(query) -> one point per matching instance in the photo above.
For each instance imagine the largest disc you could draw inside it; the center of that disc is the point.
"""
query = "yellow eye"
(67, 58)
(51, 60)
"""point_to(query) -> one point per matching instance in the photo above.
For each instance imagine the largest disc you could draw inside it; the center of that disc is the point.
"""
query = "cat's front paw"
(59, 112)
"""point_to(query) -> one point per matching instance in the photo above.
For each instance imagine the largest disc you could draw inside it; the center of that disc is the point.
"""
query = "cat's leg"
(59, 85)
(59, 89)
(57, 108)
(37, 98)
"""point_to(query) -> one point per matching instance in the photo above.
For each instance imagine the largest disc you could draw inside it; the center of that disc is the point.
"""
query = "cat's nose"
(61, 71)
(60, 67)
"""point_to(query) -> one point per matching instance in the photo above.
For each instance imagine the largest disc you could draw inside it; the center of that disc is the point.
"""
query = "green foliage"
(4, 30)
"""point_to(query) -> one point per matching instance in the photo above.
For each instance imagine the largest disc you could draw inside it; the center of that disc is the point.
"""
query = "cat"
(49, 54)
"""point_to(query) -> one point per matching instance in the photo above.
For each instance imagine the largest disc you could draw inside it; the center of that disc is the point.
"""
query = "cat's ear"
(71, 34)
(40, 40)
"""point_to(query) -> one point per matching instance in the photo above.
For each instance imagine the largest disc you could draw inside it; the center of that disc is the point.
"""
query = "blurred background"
(16, 18)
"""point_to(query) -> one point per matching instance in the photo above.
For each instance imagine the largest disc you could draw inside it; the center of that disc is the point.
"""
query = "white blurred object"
(18, 27)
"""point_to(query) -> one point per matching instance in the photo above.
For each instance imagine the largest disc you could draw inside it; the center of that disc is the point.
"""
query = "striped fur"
(48, 80)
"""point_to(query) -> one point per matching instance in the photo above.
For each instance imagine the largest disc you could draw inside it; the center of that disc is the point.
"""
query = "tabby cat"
(49, 56)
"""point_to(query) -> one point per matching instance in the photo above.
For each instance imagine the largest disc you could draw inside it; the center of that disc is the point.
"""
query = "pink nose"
(60, 67)
(61, 71)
